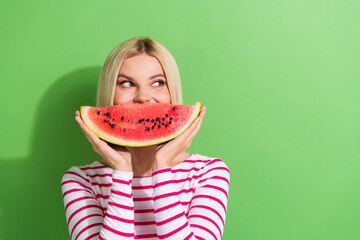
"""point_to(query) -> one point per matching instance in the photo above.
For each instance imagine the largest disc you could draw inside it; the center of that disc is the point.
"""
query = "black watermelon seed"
(174, 108)
(112, 125)
(98, 113)
(159, 126)
(152, 127)
(148, 129)
(169, 122)
(162, 123)
(152, 120)
(170, 118)
(104, 120)
(147, 120)
(163, 119)
(122, 118)
(140, 121)
(124, 129)
(154, 123)
(157, 119)
(167, 115)
(166, 125)
(108, 114)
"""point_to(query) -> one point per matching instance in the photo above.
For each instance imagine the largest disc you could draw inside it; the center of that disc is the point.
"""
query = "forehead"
(140, 65)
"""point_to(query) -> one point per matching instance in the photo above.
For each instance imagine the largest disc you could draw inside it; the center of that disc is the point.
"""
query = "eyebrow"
(130, 78)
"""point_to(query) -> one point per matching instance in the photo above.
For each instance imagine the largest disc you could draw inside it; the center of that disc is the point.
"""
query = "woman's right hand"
(117, 160)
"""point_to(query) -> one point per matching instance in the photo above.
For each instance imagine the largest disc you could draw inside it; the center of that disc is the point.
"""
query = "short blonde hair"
(130, 48)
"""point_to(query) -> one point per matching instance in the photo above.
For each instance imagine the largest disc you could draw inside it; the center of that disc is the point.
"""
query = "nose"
(142, 96)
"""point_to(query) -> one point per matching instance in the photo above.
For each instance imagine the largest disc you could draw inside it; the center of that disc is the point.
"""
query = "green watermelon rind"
(123, 142)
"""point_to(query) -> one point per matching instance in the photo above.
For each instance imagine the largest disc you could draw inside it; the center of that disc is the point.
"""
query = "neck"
(141, 160)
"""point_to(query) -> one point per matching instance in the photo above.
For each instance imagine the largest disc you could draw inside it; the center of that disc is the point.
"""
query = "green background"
(280, 80)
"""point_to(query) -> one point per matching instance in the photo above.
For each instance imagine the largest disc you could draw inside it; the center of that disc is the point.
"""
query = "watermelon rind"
(129, 143)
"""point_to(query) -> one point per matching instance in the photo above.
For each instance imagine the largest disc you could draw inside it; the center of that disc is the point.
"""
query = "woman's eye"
(126, 84)
(158, 83)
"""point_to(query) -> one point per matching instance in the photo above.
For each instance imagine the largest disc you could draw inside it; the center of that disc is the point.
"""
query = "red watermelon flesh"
(139, 124)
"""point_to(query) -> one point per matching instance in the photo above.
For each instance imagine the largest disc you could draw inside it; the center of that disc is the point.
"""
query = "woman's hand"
(117, 160)
(165, 154)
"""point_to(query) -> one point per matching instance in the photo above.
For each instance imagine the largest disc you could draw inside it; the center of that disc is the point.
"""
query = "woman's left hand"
(165, 154)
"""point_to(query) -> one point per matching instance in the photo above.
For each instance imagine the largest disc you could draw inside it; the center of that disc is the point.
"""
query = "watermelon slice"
(139, 124)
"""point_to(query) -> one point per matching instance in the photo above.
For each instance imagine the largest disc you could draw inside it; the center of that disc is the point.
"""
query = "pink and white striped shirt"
(188, 201)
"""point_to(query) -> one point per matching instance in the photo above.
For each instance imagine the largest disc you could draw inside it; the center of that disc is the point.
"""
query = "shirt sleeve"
(85, 217)
(206, 216)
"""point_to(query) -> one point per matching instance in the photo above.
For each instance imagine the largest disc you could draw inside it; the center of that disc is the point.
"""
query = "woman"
(153, 192)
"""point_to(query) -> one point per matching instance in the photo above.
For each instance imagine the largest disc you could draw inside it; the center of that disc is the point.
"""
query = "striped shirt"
(188, 201)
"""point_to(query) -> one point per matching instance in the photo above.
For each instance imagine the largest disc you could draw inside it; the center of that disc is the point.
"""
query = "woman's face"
(141, 80)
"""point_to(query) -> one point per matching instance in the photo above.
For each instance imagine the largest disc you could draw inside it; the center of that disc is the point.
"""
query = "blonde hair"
(130, 48)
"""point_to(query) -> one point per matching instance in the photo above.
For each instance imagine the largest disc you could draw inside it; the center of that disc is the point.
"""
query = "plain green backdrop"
(280, 80)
